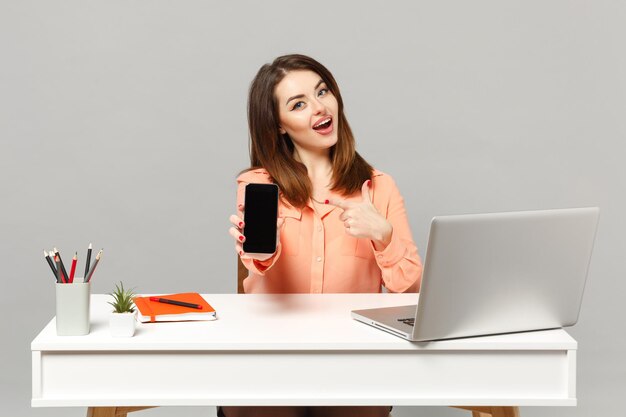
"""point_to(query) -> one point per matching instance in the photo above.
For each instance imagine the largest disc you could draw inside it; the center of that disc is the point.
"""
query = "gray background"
(123, 123)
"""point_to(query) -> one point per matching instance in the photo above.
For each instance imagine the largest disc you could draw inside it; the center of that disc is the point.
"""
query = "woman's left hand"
(362, 220)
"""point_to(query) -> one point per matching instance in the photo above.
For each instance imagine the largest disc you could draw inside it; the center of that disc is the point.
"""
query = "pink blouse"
(316, 255)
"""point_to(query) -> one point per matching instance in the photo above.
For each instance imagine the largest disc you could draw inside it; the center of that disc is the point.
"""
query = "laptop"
(497, 273)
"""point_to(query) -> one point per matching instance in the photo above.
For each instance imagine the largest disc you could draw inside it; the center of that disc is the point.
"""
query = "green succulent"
(122, 299)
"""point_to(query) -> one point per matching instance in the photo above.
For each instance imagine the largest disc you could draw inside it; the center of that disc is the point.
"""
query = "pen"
(93, 267)
(54, 271)
(176, 303)
(73, 268)
(65, 276)
(88, 260)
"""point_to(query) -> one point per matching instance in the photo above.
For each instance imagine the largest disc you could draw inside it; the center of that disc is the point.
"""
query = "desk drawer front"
(309, 378)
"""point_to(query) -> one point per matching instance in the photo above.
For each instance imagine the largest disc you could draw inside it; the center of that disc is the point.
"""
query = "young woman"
(342, 224)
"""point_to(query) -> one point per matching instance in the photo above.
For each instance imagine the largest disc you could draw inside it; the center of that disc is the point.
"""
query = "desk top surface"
(253, 322)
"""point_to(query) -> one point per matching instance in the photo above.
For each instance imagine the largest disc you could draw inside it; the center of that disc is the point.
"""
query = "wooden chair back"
(242, 273)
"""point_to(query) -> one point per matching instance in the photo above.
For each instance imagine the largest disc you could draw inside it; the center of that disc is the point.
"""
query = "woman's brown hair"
(273, 151)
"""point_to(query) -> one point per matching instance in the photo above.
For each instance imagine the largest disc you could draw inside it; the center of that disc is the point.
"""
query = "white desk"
(296, 350)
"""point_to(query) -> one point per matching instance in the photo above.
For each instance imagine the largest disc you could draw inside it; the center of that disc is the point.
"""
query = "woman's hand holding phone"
(236, 232)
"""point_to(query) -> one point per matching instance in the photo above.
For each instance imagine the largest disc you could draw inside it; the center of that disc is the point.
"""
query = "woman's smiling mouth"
(324, 126)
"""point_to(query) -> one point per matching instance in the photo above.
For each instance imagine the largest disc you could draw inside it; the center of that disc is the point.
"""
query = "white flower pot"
(122, 324)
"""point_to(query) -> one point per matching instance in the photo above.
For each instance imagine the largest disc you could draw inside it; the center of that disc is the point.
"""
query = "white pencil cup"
(73, 308)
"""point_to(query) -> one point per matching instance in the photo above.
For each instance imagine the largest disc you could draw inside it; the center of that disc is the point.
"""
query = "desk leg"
(112, 411)
(101, 412)
(493, 411)
(505, 411)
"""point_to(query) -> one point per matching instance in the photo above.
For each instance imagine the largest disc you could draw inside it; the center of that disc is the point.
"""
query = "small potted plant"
(122, 319)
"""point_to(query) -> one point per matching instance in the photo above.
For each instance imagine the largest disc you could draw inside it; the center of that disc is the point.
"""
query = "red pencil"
(74, 259)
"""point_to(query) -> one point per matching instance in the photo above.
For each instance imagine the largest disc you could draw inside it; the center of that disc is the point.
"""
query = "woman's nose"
(318, 107)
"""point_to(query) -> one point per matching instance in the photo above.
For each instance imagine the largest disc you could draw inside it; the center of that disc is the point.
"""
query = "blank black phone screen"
(260, 216)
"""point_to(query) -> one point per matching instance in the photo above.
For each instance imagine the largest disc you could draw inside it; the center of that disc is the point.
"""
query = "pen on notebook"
(93, 267)
(65, 276)
(54, 270)
(73, 268)
(176, 303)
(88, 261)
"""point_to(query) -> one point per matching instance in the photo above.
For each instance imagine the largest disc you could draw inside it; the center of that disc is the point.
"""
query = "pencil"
(88, 261)
(93, 267)
(59, 273)
(65, 276)
(54, 270)
(73, 268)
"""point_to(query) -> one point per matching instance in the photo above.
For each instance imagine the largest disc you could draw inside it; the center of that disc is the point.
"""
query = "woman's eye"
(323, 92)
(298, 105)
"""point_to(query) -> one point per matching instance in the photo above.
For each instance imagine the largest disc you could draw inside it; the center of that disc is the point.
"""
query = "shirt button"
(380, 256)
(319, 228)
(319, 259)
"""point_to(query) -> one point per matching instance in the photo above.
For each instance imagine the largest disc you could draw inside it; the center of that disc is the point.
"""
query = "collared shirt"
(316, 255)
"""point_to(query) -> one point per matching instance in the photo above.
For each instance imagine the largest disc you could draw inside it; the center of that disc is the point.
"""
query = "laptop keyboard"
(409, 321)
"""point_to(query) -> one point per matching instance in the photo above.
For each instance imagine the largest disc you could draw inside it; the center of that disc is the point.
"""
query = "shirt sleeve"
(399, 262)
(253, 265)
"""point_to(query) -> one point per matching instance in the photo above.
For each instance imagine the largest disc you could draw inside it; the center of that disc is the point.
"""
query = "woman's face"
(307, 111)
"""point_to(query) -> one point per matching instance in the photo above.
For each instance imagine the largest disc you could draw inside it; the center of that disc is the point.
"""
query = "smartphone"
(260, 216)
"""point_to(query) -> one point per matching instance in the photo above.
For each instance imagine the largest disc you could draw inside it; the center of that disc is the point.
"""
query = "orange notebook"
(152, 311)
